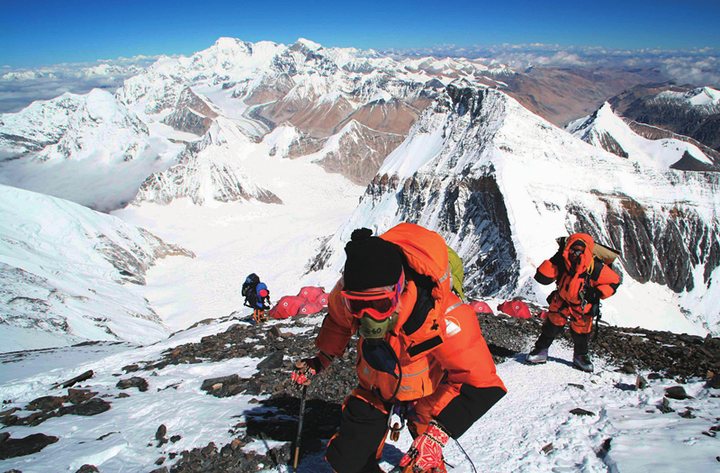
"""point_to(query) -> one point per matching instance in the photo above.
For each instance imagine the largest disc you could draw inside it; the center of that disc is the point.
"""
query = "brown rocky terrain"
(191, 114)
(640, 103)
(561, 95)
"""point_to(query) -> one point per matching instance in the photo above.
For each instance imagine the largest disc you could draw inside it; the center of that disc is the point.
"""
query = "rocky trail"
(273, 419)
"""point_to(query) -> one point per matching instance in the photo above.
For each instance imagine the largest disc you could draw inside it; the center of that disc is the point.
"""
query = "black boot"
(581, 359)
(539, 354)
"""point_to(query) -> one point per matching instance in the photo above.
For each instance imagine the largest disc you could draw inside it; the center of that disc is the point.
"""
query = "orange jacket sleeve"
(607, 282)
(548, 271)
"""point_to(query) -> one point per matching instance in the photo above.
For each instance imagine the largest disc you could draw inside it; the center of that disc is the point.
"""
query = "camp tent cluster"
(309, 300)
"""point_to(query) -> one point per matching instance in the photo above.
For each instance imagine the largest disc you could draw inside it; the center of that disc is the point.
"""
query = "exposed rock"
(667, 105)
(276, 332)
(192, 113)
(85, 376)
(271, 362)
(275, 417)
(90, 408)
(134, 382)
(360, 152)
(224, 386)
(12, 448)
(161, 431)
(45, 403)
(561, 94)
(640, 383)
(715, 381)
(676, 392)
(664, 406)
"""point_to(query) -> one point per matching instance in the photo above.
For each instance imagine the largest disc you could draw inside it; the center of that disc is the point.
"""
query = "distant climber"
(582, 281)
(257, 297)
(421, 354)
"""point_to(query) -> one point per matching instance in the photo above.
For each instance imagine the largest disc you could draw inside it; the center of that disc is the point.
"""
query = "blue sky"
(35, 33)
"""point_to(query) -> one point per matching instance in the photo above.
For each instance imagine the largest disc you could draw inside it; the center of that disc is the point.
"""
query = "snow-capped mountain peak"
(706, 99)
(606, 130)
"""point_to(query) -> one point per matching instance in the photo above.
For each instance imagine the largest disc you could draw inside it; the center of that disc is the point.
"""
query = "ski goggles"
(377, 304)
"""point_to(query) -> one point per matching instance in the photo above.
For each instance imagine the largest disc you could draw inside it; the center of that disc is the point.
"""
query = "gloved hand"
(309, 367)
(592, 295)
(426, 450)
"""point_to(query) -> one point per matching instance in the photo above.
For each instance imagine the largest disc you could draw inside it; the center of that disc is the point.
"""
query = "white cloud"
(20, 86)
(698, 67)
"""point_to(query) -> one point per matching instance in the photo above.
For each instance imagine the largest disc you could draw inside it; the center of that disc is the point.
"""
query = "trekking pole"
(299, 432)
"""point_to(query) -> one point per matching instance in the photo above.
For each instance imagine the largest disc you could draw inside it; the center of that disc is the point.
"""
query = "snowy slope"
(500, 184)
(70, 274)
(234, 239)
(38, 125)
(95, 151)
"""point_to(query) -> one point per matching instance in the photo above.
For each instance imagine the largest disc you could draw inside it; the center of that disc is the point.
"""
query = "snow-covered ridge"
(68, 274)
(706, 99)
(606, 130)
(40, 124)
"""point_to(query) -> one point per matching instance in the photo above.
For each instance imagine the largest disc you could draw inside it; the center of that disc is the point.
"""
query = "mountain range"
(456, 145)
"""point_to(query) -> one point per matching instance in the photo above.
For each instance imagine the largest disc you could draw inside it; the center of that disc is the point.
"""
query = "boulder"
(12, 448)
(134, 382)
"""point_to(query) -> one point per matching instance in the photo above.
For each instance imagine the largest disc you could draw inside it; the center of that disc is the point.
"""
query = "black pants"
(550, 331)
(355, 447)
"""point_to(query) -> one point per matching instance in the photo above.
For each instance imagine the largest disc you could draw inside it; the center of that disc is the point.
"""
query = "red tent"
(481, 307)
(311, 293)
(323, 299)
(310, 308)
(287, 306)
(515, 309)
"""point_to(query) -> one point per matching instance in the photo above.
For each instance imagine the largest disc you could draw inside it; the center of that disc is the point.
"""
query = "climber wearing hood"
(582, 281)
(421, 354)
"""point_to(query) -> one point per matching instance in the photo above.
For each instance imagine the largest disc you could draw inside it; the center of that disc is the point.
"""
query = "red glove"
(309, 367)
(426, 450)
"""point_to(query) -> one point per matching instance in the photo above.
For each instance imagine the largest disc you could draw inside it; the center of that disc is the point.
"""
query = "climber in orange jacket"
(421, 354)
(582, 281)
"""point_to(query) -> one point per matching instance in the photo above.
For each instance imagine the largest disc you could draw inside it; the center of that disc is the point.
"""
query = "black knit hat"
(371, 262)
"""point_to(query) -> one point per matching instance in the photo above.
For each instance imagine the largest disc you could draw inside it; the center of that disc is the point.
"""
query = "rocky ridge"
(665, 355)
